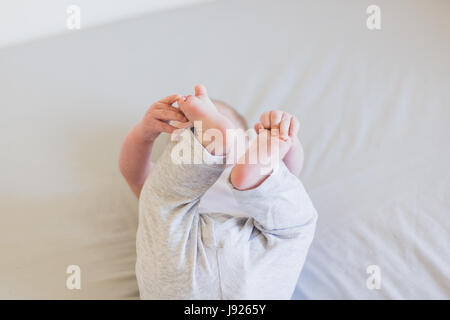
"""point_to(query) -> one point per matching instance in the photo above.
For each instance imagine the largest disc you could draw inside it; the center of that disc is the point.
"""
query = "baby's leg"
(295, 157)
(284, 220)
(169, 234)
(169, 241)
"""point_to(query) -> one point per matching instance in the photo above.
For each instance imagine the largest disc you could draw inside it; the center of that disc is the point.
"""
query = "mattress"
(374, 113)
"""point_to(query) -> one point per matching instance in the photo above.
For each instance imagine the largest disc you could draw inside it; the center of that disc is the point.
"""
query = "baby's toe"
(200, 91)
(285, 125)
(275, 119)
(265, 120)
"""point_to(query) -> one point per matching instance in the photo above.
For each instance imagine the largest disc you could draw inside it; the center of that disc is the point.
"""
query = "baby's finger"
(164, 127)
(275, 119)
(172, 108)
(181, 100)
(170, 99)
(167, 114)
(189, 98)
(265, 119)
(294, 128)
(285, 125)
(180, 125)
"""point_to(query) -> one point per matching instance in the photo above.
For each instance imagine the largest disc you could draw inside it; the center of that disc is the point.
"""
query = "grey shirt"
(184, 254)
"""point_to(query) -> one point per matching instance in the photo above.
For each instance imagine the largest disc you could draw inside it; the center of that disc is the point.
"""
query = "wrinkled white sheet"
(374, 109)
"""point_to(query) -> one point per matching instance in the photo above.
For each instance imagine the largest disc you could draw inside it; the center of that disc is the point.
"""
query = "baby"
(254, 245)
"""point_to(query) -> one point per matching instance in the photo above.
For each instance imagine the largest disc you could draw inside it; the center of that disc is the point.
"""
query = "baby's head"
(231, 113)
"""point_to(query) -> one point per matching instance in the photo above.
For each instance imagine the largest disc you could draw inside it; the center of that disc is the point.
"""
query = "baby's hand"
(157, 117)
(282, 123)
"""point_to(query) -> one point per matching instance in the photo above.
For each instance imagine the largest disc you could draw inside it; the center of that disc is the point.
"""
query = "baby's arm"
(135, 154)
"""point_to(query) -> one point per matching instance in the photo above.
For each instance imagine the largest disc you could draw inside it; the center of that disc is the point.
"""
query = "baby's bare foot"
(288, 126)
(271, 144)
(200, 108)
(275, 139)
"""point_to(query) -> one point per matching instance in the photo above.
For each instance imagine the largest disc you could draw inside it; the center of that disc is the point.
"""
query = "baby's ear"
(200, 91)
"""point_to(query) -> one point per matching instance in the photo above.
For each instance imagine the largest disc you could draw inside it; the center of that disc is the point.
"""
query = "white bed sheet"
(374, 112)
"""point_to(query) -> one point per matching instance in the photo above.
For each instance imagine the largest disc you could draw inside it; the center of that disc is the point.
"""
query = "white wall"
(25, 20)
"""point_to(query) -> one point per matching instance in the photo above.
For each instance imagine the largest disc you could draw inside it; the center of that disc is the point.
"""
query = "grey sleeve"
(280, 206)
(168, 206)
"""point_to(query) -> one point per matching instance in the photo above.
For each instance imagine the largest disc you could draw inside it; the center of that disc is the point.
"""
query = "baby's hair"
(231, 113)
